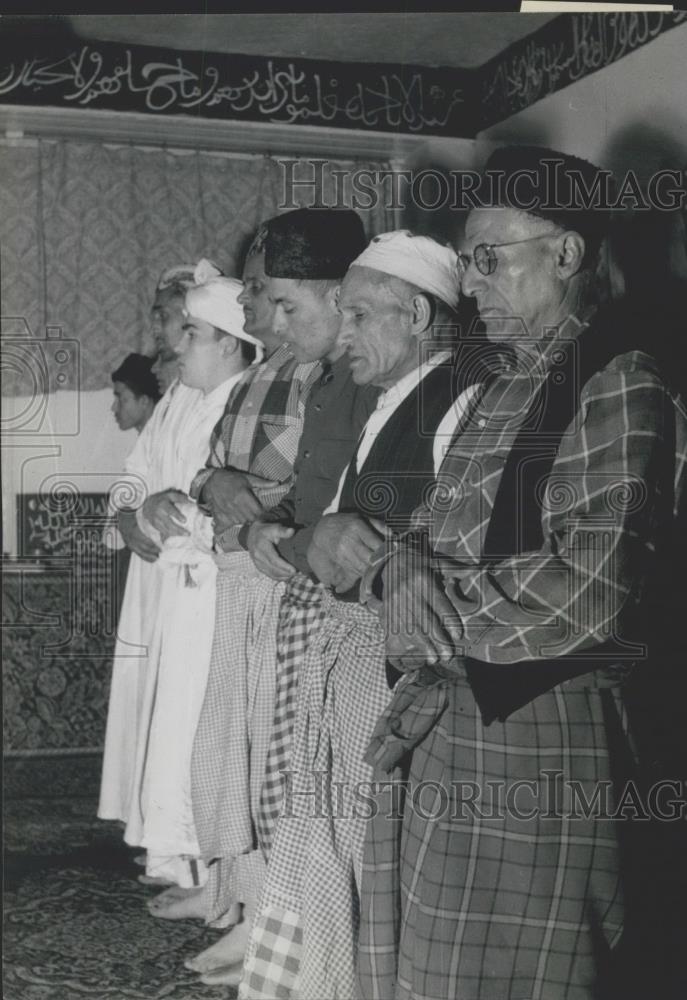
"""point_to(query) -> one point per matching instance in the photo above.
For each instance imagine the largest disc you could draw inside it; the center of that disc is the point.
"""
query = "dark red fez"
(313, 244)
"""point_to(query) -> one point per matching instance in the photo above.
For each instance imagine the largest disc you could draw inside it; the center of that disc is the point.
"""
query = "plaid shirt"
(609, 503)
(260, 430)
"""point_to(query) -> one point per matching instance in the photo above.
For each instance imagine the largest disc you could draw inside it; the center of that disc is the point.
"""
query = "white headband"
(214, 299)
(417, 259)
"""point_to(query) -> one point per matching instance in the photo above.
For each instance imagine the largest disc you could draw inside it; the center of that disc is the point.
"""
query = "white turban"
(417, 259)
(214, 299)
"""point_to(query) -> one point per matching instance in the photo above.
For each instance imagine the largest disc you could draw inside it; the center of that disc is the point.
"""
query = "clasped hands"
(230, 496)
(342, 549)
(161, 511)
(420, 623)
(339, 553)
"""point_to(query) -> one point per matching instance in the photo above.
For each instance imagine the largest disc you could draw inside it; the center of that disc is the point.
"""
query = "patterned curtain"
(86, 229)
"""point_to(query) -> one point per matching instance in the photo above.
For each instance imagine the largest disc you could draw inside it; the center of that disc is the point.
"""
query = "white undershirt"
(389, 402)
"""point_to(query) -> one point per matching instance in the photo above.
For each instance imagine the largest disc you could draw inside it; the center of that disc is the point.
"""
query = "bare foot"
(140, 860)
(223, 954)
(176, 903)
(229, 975)
(200, 963)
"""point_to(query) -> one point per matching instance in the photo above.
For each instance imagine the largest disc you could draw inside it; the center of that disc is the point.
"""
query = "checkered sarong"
(316, 858)
(300, 614)
(232, 739)
(475, 901)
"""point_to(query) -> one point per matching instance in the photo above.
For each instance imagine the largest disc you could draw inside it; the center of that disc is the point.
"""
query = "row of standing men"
(419, 564)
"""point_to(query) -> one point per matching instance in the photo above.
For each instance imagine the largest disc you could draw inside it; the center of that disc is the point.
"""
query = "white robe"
(164, 697)
(134, 628)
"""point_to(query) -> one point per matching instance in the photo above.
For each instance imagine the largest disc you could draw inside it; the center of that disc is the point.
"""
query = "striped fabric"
(316, 859)
(300, 614)
(232, 738)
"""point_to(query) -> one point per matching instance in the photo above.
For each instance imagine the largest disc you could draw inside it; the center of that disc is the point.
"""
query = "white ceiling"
(460, 40)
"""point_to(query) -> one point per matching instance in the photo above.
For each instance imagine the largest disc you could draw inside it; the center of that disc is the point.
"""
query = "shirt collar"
(562, 335)
(218, 396)
(396, 393)
(277, 358)
(335, 369)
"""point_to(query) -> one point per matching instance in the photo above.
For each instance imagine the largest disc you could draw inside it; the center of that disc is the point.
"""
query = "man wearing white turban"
(212, 354)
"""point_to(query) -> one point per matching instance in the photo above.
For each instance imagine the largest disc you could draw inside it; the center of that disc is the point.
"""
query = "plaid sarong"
(316, 859)
(232, 739)
(464, 893)
(300, 614)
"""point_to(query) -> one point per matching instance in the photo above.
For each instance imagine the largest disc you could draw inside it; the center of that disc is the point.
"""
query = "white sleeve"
(333, 507)
(449, 423)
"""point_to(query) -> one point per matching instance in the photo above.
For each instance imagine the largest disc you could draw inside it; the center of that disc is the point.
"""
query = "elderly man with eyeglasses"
(531, 616)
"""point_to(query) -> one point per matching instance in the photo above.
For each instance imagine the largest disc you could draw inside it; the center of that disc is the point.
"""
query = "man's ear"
(230, 345)
(333, 294)
(422, 314)
(570, 254)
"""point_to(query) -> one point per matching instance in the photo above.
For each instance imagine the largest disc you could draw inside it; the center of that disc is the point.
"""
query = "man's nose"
(279, 322)
(242, 297)
(345, 337)
(472, 280)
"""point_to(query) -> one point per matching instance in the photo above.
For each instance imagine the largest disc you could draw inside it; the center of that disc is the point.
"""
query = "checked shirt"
(260, 429)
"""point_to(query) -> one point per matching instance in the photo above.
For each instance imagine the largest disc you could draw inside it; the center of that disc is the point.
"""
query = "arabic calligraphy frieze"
(565, 50)
(304, 92)
(368, 96)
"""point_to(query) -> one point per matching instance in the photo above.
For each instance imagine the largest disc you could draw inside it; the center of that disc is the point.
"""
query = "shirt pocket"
(281, 436)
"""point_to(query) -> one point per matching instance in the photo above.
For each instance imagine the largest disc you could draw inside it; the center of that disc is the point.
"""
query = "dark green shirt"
(335, 414)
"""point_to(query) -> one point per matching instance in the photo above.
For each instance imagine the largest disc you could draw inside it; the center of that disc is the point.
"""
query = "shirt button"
(318, 407)
(306, 454)
(481, 422)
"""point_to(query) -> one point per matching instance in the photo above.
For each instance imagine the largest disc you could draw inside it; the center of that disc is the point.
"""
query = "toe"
(228, 975)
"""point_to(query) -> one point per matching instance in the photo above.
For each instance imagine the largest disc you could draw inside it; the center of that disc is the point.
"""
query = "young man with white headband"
(399, 322)
(212, 358)
(141, 595)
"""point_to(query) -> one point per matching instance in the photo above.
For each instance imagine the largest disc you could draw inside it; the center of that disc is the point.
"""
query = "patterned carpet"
(76, 927)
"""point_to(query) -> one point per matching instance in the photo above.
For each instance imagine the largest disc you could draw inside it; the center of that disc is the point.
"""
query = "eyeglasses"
(484, 257)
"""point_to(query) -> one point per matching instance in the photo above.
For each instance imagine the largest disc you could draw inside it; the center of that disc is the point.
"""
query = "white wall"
(75, 439)
(632, 114)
